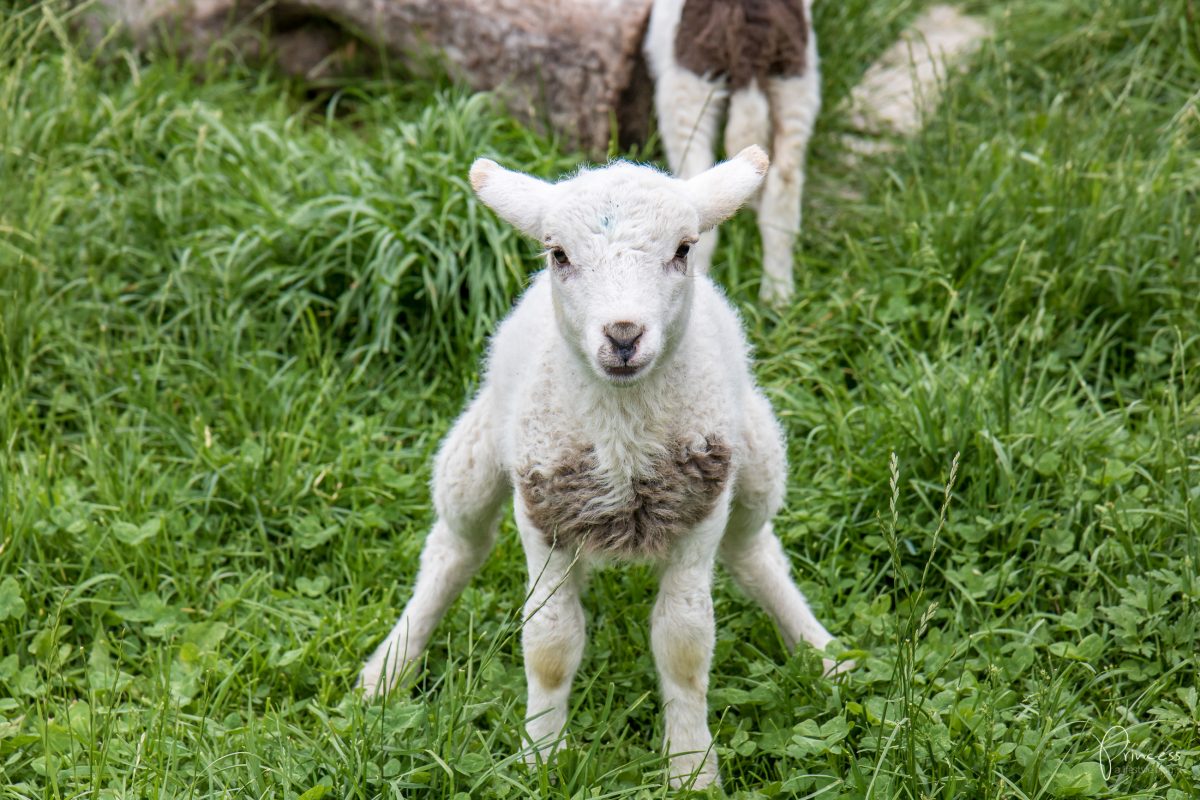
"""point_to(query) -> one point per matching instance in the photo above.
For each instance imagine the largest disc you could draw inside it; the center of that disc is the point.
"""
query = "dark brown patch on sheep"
(679, 492)
(742, 40)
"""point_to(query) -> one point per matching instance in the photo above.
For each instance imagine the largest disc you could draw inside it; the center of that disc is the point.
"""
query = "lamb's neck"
(631, 426)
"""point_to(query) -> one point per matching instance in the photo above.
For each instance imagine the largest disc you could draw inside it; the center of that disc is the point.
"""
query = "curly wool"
(743, 40)
(652, 509)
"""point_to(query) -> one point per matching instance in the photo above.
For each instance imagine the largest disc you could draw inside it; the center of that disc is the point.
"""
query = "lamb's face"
(617, 246)
(617, 242)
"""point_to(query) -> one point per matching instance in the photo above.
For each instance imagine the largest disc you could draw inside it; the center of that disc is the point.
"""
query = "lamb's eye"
(682, 252)
(560, 256)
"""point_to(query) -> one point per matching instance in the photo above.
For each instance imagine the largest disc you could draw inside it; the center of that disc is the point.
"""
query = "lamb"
(619, 410)
(758, 59)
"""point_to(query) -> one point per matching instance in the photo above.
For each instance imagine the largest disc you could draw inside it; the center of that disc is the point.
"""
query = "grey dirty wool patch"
(679, 491)
(743, 40)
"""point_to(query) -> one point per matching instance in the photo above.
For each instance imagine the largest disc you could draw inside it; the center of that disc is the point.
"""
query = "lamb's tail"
(749, 119)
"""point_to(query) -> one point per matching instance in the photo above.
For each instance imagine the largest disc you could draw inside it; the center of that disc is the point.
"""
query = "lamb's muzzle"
(624, 337)
(618, 354)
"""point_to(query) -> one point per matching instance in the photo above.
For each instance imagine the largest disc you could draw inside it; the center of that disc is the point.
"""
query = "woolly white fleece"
(557, 385)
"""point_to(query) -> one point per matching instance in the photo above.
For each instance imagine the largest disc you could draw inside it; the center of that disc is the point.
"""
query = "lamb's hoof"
(375, 682)
(536, 755)
(701, 780)
(836, 668)
(775, 294)
(694, 771)
(372, 684)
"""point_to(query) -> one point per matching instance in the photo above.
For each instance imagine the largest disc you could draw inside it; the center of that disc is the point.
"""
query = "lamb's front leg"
(682, 635)
(553, 636)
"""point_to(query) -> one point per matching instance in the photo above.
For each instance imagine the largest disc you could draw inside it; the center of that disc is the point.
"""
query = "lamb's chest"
(577, 503)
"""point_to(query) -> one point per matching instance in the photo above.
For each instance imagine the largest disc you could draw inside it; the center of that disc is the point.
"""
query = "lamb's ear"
(519, 199)
(719, 192)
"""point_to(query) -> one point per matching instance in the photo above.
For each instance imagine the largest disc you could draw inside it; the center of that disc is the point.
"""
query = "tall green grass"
(235, 320)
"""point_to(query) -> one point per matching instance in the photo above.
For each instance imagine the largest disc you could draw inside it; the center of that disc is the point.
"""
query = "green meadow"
(237, 313)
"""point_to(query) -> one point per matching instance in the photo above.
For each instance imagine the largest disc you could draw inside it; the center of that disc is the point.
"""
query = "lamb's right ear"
(720, 191)
(519, 199)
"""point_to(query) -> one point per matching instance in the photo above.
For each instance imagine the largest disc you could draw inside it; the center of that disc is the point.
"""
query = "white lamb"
(756, 60)
(619, 403)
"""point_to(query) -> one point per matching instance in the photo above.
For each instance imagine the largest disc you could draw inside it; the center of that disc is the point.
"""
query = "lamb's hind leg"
(748, 122)
(469, 487)
(751, 551)
(794, 106)
(689, 113)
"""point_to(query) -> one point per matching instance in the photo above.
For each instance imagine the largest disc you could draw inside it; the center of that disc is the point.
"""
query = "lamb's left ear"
(719, 192)
(519, 199)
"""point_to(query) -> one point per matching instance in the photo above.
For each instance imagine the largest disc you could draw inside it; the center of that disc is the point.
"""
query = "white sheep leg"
(468, 488)
(748, 122)
(552, 637)
(682, 636)
(751, 551)
(689, 113)
(794, 105)
(760, 567)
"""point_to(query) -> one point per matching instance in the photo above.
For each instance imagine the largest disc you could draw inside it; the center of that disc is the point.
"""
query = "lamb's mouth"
(623, 372)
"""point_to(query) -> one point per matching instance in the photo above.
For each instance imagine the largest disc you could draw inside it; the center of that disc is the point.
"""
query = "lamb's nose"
(624, 337)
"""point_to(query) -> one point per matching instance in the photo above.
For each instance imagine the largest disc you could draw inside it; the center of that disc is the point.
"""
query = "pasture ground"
(237, 314)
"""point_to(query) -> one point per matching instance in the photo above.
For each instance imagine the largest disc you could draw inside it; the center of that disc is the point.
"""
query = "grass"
(235, 321)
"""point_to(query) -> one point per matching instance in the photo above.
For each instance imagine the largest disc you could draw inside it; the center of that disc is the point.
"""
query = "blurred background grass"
(236, 316)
